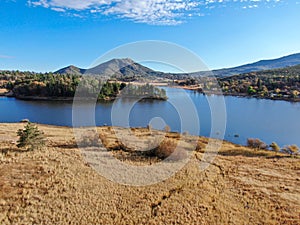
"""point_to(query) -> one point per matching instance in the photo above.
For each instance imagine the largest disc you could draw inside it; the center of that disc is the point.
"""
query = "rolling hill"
(290, 60)
(127, 67)
(71, 70)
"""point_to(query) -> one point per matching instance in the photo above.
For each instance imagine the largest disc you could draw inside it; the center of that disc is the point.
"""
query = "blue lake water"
(247, 117)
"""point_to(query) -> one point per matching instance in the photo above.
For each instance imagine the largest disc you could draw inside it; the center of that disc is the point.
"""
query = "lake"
(246, 117)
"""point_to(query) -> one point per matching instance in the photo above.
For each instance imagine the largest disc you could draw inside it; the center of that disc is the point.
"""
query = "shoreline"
(172, 133)
(176, 133)
(244, 95)
(71, 99)
(110, 99)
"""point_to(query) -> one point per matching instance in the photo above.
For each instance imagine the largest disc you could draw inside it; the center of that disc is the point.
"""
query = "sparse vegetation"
(274, 146)
(89, 139)
(166, 148)
(167, 128)
(61, 183)
(201, 145)
(291, 149)
(256, 143)
(30, 137)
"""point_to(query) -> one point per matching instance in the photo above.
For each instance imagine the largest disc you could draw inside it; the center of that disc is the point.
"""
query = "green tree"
(30, 137)
(251, 91)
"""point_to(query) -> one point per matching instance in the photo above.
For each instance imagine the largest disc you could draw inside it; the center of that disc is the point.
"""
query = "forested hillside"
(33, 85)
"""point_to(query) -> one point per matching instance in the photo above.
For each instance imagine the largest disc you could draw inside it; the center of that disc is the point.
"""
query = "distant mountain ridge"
(127, 67)
(286, 61)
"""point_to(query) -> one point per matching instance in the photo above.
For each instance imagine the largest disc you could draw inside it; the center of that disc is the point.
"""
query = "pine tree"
(30, 137)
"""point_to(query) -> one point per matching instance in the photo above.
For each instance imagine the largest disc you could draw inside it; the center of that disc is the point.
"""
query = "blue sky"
(45, 35)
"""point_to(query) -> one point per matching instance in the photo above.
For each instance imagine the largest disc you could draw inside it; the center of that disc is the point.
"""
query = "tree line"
(30, 84)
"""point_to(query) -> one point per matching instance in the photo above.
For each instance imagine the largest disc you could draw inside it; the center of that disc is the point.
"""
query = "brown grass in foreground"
(56, 186)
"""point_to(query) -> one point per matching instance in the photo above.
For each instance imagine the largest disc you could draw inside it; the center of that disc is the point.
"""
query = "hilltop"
(115, 67)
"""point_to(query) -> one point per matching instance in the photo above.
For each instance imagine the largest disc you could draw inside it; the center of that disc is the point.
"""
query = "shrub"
(89, 139)
(201, 146)
(256, 143)
(275, 147)
(30, 137)
(167, 128)
(185, 133)
(291, 149)
(167, 148)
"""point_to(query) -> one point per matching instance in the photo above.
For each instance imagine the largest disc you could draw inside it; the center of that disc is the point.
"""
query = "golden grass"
(56, 186)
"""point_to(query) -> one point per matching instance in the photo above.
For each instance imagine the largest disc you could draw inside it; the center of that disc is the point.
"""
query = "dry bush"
(166, 148)
(167, 128)
(201, 146)
(256, 143)
(185, 133)
(89, 139)
(275, 147)
(103, 139)
(291, 149)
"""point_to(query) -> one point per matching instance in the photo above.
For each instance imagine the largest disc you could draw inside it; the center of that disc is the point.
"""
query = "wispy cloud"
(160, 12)
(58, 9)
(6, 57)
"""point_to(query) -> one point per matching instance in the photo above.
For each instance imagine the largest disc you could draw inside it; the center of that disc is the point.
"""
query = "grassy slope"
(56, 186)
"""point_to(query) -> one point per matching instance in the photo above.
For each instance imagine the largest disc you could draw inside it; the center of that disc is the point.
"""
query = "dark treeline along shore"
(49, 86)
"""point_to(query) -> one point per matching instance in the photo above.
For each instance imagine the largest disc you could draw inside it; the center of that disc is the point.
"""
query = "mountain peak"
(119, 67)
(70, 70)
(125, 60)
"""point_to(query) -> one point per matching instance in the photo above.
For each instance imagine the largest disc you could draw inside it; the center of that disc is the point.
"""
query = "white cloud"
(161, 12)
(58, 9)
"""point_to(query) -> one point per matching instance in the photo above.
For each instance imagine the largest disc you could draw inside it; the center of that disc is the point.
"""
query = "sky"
(46, 35)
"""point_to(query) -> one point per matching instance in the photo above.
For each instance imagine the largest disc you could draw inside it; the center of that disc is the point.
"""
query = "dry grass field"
(56, 186)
